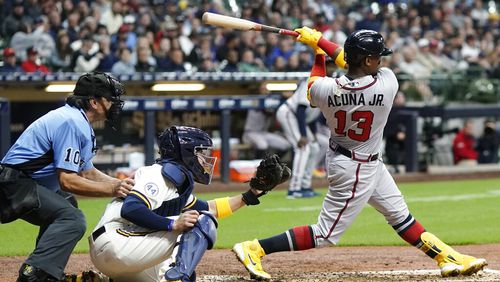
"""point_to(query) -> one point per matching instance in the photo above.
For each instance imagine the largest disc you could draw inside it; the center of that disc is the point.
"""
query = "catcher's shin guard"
(191, 247)
(451, 262)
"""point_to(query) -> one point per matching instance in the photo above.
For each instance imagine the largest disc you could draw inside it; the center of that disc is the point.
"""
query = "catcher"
(160, 231)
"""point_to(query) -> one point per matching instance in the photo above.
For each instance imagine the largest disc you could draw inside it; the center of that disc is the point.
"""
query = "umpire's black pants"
(61, 226)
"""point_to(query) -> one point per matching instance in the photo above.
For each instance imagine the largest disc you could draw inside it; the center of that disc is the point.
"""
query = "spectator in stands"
(201, 51)
(143, 64)
(487, 144)
(260, 52)
(248, 63)
(284, 50)
(395, 135)
(55, 24)
(12, 23)
(144, 43)
(22, 40)
(108, 58)
(113, 18)
(32, 9)
(61, 59)
(86, 59)
(33, 64)
(124, 65)
(71, 24)
(174, 62)
(124, 38)
(418, 73)
(280, 64)
(9, 61)
(335, 33)
(464, 144)
(43, 42)
(145, 24)
(232, 43)
(470, 50)
(231, 62)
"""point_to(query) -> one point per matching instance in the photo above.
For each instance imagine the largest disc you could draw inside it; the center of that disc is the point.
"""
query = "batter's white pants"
(264, 140)
(133, 258)
(305, 158)
(352, 184)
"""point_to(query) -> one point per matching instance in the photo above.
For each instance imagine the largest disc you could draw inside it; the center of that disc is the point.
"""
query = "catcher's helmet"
(362, 43)
(190, 147)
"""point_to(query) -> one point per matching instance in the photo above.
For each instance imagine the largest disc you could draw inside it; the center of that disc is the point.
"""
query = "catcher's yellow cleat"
(249, 254)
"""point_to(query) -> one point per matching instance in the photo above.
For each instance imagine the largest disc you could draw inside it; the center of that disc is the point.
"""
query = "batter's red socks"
(410, 230)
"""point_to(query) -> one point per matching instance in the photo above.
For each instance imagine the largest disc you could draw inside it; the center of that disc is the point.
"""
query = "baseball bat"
(241, 24)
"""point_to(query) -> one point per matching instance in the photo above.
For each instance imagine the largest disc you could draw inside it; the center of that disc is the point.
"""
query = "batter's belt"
(351, 154)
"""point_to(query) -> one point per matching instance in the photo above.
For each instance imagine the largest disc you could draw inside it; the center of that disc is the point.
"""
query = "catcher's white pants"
(305, 158)
(132, 258)
(352, 184)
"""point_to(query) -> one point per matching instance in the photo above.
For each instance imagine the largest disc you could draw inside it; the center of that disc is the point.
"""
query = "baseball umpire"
(49, 162)
(356, 107)
(160, 231)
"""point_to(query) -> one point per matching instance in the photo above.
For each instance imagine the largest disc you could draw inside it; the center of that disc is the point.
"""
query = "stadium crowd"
(128, 36)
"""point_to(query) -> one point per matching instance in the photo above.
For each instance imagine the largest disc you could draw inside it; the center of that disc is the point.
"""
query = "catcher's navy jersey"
(62, 138)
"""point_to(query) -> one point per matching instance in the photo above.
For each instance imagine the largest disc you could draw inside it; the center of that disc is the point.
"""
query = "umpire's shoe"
(249, 254)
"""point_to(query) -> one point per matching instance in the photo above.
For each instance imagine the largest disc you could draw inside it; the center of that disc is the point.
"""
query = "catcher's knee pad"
(191, 247)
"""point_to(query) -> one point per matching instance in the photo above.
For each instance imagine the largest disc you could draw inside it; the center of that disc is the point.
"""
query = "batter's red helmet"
(362, 43)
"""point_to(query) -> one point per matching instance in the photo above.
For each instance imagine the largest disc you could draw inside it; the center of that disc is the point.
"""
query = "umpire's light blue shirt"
(62, 138)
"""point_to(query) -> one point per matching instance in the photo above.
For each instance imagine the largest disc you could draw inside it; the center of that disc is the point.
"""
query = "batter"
(356, 107)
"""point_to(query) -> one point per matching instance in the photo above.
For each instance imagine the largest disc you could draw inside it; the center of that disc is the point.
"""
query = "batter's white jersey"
(127, 252)
(356, 110)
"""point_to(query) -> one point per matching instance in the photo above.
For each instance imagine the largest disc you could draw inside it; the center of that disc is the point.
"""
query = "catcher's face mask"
(206, 161)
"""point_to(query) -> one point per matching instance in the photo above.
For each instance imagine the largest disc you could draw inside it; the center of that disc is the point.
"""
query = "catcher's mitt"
(270, 173)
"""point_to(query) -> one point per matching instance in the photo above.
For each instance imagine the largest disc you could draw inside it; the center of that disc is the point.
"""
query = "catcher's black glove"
(270, 173)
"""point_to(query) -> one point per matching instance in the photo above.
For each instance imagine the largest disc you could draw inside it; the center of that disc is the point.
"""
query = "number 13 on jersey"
(363, 120)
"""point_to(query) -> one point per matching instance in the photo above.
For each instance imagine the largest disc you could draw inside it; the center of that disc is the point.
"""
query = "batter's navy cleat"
(249, 254)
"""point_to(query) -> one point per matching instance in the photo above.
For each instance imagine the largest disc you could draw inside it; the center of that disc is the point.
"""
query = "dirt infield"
(327, 264)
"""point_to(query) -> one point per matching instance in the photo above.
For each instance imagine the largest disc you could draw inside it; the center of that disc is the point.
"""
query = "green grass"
(459, 212)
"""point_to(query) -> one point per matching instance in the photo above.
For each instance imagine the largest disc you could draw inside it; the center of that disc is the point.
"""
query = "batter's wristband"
(223, 207)
(170, 225)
